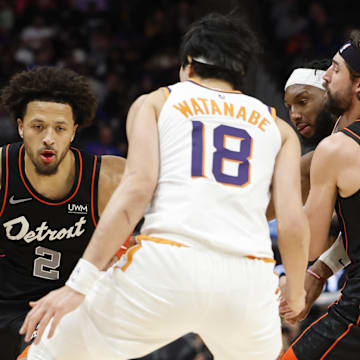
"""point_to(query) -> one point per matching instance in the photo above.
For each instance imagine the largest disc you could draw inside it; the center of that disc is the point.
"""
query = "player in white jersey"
(207, 158)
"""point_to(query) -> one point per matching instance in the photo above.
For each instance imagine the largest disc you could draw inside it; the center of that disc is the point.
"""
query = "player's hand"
(52, 306)
(291, 304)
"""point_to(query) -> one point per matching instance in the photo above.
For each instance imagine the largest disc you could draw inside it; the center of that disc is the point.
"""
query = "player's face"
(339, 87)
(304, 103)
(47, 130)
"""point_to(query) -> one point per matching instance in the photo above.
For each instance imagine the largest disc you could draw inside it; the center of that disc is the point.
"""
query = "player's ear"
(357, 87)
(74, 131)
(189, 67)
(20, 127)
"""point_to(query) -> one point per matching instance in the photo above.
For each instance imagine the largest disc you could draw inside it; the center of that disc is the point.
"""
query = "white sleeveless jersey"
(217, 155)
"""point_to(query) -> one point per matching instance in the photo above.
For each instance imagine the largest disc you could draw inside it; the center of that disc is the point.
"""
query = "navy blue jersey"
(41, 240)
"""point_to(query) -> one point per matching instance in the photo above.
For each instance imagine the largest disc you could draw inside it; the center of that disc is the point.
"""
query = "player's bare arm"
(111, 172)
(305, 162)
(320, 204)
(292, 225)
(133, 110)
(128, 203)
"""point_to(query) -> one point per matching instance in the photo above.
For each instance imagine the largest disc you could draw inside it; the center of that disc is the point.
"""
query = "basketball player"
(304, 97)
(335, 182)
(204, 262)
(51, 195)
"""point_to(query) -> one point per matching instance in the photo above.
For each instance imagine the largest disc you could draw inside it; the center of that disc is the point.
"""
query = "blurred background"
(130, 47)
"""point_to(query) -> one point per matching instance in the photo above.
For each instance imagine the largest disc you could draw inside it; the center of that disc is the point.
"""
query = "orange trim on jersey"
(273, 112)
(6, 178)
(351, 132)
(336, 341)
(92, 191)
(220, 90)
(24, 354)
(313, 323)
(289, 355)
(346, 237)
(338, 299)
(358, 320)
(167, 91)
(131, 252)
(43, 201)
(123, 248)
(265, 259)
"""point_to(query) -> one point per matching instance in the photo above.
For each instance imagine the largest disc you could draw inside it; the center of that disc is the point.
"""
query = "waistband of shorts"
(265, 259)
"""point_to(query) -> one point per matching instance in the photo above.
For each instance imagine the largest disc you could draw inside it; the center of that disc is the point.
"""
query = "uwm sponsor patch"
(19, 229)
(77, 209)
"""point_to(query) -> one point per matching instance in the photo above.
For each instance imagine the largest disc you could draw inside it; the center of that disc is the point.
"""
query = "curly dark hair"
(226, 41)
(54, 84)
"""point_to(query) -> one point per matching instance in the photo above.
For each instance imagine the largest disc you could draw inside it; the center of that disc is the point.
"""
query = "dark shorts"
(12, 343)
(334, 336)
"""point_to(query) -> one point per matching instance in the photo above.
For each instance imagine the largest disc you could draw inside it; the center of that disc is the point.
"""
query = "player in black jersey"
(51, 194)
(335, 183)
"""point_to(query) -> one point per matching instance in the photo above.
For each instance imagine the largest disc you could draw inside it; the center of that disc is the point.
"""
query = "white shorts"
(161, 291)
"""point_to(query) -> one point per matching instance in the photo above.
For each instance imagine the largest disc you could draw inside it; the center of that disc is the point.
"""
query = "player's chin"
(43, 169)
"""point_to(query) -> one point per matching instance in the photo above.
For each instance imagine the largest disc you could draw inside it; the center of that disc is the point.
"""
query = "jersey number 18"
(220, 135)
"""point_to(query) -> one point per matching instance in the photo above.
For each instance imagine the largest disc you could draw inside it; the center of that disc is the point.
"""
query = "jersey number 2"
(46, 263)
(222, 154)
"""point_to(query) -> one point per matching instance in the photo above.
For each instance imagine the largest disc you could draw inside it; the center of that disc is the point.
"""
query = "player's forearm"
(321, 269)
(123, 212)
(293, 242)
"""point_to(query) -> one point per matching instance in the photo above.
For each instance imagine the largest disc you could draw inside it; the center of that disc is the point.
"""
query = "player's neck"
(55, 186)
(349, 117)
(216, 84)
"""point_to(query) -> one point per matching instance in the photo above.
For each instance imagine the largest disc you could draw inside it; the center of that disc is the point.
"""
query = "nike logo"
(13, 201)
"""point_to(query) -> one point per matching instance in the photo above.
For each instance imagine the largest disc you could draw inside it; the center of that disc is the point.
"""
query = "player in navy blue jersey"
(51, 194)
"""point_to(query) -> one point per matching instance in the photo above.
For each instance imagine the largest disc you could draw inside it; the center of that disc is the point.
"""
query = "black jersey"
(41, 240)
(348, 209)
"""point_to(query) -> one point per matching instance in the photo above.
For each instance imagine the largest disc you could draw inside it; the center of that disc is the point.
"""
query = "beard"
(324, 125)
(46, 169)
(338, 103)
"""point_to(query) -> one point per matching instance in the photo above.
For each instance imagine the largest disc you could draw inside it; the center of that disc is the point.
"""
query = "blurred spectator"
(7, 16)
(34, 35)
(104, 145)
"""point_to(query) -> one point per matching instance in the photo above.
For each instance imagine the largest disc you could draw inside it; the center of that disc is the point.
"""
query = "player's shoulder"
(336, 147)
(112, 166)
(137, 103)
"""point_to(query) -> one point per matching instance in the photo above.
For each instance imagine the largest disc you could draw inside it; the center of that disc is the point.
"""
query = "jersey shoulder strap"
(90, 181)
(353, 130)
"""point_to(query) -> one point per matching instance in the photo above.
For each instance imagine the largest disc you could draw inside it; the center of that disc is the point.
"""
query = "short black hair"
(226, 42)
(50, 83)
